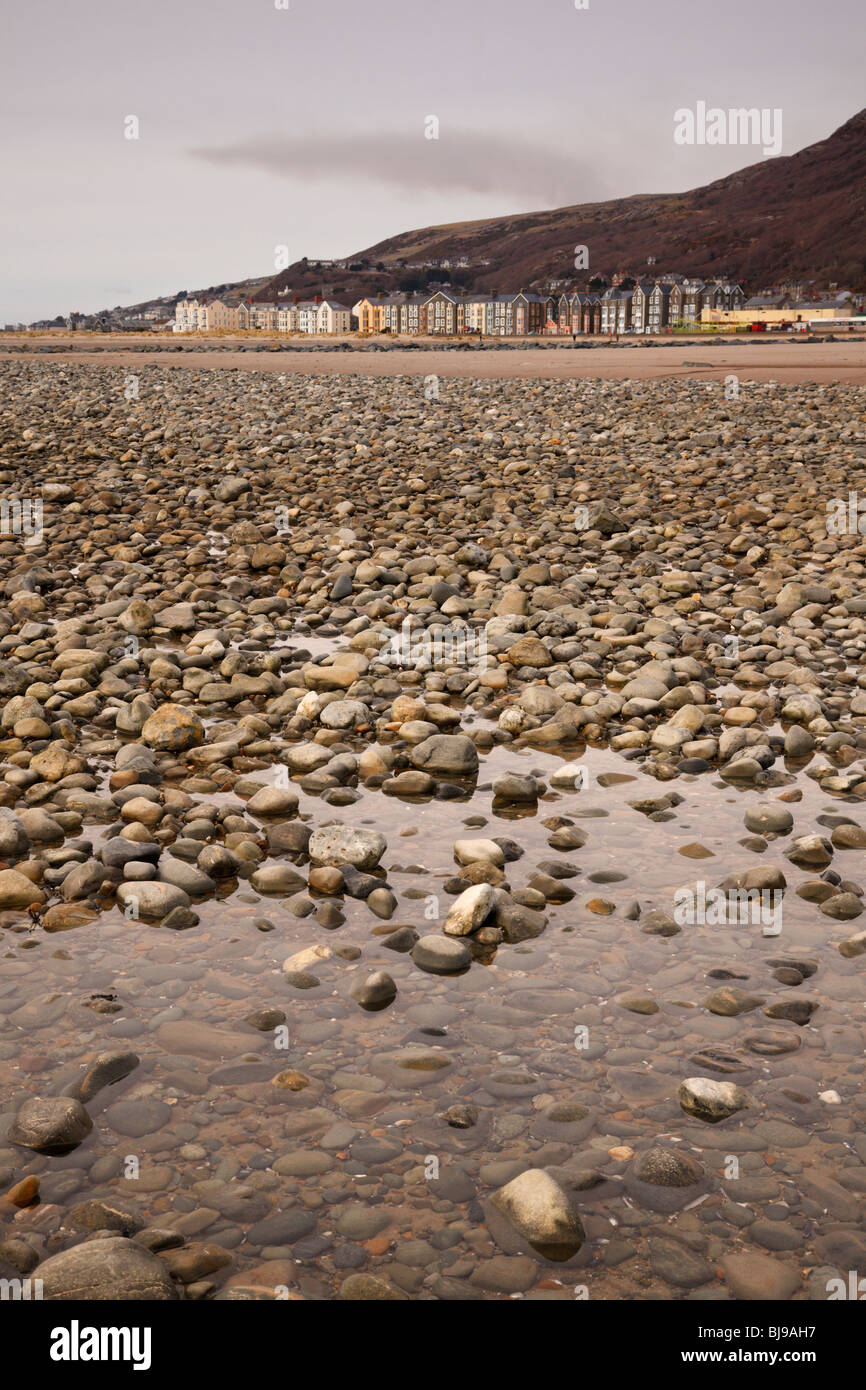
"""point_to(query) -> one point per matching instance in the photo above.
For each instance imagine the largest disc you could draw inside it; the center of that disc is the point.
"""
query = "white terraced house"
(640, 306)
(616, 311)
(264, 316)
(189, 315)
(308, 315)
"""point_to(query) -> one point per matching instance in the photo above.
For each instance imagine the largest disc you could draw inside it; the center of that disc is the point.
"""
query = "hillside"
(796, 218)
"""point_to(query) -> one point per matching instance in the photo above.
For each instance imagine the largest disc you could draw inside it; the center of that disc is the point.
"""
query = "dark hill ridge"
(797, 217)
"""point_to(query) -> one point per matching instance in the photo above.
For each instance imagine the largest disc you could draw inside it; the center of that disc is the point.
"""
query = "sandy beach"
(787, 362)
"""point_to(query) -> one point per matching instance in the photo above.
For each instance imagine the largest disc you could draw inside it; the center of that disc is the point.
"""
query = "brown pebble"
(23, 1193)
(290, 1081)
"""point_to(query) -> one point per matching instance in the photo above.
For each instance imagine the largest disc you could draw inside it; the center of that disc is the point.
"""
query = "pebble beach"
(380, 759)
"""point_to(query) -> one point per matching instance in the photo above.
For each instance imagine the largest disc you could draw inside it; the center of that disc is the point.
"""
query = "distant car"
(758, 328)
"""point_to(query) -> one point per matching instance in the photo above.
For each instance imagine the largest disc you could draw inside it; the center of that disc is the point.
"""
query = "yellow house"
(795, 313)
(370, 314)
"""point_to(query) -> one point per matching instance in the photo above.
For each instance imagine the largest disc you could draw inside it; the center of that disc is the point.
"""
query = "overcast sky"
(305, 126)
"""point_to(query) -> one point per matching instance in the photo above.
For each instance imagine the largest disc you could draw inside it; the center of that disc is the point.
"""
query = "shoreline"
(789, 363)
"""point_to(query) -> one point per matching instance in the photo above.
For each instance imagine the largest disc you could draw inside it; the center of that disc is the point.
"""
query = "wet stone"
(135, 1118)
(331, 814)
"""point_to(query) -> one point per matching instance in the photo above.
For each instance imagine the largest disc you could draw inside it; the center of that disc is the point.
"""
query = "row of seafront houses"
(651, 306)
(306, 316)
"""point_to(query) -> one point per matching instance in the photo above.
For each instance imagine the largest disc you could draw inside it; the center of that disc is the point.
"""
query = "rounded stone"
(711, 1101)
(173, 729)
(539, 1209)
(149, 899)
(53, 1124)
(768, 817)
(105, 1271)
(18, 891)
(441, 955)
(374, 992)
(343, 844)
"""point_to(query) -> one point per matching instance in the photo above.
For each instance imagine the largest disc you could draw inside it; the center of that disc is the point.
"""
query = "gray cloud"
(460, 160)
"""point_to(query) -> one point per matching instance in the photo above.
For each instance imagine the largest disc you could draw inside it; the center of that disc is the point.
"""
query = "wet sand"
(787, 362)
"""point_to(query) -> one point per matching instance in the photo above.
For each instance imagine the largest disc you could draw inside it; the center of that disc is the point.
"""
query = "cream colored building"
(308, 316)
(190, 316)
(794, 313)
(333, 317)
(475, 314)
(265, 317)
(220, 317)
(202, 316)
